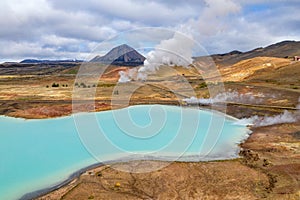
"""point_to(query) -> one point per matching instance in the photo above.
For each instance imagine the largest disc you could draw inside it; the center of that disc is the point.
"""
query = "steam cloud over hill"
(174, 51)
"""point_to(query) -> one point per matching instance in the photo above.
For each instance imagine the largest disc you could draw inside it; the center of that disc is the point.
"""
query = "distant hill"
(250, 68)
(122, 55)
(280, 50)
(35, 61)
(38, 68)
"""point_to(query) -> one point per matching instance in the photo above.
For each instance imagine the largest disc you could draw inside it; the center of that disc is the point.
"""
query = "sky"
(71, 29)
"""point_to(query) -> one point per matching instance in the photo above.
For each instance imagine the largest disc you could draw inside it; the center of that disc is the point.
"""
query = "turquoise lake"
(37, 154)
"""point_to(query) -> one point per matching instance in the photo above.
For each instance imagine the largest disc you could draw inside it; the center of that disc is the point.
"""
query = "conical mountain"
(122, 55)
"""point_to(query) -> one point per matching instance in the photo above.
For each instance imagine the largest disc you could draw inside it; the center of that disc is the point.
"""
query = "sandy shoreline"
(93, 167)
(72, 177)
(40, 193)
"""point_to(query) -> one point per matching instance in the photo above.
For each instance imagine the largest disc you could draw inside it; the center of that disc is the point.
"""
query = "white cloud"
(241, 29)
(49, 28)
(142, 11)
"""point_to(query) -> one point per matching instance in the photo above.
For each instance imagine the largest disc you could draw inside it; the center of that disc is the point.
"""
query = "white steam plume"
(174, 51)
(257, 121)
(171, 52)
(285, 117)
(228, 97)
(178, 50)
(123, 77)
(127, 76)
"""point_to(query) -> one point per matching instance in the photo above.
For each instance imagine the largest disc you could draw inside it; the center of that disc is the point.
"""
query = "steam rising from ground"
(128, 76)
(171, 52)
(257, 121)
(178, 49)
(174, 51)
(249, 98)
(285, 117)
(123, 77)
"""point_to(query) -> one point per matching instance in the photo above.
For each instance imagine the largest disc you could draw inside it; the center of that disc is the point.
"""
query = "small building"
(296, 58)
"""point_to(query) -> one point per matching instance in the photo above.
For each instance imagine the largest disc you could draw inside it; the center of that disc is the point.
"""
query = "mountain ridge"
(283, 49)
(37, 61)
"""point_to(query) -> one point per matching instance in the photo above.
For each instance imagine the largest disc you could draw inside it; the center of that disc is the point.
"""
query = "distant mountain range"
(122, 55)
(125, 55)
(35, 61)
(283, 49)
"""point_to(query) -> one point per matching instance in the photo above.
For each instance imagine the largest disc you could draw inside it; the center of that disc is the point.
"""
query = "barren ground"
(270, 160)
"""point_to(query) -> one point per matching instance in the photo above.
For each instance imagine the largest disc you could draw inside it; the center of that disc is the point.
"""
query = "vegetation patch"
(106, 85)
(72, 71)
(55, 85)
(202, 85)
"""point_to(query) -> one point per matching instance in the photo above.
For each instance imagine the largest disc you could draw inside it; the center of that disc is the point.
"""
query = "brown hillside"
(280, 50)
(288, 74)
(248, 69)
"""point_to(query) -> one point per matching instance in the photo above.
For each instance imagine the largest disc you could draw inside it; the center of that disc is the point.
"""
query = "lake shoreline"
(42, 192)
(72, 177)
(39, 193)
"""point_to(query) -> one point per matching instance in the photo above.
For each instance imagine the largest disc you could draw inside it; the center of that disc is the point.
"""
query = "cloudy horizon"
(54, 29)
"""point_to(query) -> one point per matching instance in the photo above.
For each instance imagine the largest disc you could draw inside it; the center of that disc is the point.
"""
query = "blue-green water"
(37, 154)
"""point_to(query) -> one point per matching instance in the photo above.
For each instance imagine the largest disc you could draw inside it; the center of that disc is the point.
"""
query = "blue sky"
(69, 29)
